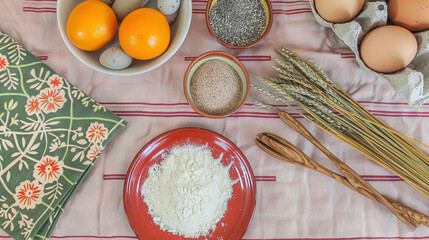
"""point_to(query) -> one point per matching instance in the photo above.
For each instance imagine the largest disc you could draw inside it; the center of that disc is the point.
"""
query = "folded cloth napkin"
(50, 135)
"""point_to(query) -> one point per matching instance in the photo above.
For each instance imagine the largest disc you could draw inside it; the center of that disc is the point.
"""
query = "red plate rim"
(243, 160)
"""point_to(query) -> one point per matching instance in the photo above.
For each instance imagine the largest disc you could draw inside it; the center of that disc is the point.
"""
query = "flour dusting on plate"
(187, 194)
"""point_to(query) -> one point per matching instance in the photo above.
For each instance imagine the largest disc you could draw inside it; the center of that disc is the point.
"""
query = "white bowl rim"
(182, 36)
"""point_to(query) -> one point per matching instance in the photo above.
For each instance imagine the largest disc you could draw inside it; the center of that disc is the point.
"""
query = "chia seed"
(238, 22)
(216, 88)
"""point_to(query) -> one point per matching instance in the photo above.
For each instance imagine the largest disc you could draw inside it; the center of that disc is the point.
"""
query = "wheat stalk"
(333, 110)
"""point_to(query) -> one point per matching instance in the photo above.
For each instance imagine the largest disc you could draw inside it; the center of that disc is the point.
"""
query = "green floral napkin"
(50, 135)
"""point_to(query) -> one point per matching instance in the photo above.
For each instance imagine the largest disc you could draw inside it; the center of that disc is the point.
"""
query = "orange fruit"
(91, 25)
(144, 34)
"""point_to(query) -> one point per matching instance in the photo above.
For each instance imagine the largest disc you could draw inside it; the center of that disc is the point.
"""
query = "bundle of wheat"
(333, 110)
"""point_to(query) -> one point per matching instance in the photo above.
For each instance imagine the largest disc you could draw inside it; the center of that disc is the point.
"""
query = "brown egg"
(388, 49)
(410, 14)
(338, 11)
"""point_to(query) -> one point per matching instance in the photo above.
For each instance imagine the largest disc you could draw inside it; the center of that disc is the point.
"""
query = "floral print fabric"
(50, 135)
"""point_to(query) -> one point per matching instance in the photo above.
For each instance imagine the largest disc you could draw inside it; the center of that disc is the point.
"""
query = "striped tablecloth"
(292, 202)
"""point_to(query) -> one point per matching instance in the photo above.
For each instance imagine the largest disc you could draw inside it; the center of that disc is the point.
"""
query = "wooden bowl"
(231, 61)
(269, 21)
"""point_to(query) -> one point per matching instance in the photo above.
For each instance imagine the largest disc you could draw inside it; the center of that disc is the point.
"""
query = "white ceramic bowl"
(179, 30)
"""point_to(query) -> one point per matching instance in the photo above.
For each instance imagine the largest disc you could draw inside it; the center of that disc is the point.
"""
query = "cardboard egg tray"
(412, 82)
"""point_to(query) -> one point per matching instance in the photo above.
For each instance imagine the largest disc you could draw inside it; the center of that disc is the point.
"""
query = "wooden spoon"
(282, 149)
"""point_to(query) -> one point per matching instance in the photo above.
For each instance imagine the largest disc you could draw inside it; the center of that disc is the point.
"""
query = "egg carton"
(412, 82)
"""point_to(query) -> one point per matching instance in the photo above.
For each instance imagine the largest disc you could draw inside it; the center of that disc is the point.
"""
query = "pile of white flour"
(187, 193)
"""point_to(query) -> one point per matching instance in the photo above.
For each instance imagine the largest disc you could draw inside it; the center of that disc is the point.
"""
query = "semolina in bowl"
(216, 84)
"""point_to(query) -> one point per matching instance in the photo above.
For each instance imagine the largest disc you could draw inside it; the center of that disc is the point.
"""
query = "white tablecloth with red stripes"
(292, 202)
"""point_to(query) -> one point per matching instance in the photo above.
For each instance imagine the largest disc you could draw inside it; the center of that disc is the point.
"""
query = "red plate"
(240, 206)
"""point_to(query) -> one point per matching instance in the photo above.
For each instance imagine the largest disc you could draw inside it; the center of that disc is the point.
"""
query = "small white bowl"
(179, 30)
